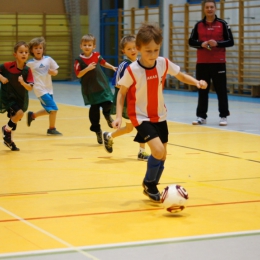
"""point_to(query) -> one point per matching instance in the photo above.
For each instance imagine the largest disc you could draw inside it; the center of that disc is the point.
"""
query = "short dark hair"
(208, 1)
(147, 33)
(125, 40)
(88, 38)
(19, 44)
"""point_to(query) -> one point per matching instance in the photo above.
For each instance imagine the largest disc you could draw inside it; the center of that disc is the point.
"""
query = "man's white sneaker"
(223, 121)
(199, 121)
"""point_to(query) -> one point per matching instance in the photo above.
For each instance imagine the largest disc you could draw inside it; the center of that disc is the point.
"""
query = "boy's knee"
(159, 153)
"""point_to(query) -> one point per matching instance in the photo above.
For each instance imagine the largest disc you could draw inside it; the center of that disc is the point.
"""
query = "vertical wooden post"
(16, 27)
(169, 81)
(44, 25)
(120, 34)
(146, 14)
(186, 37)
(241, 46)
(133, 20)
(221, 9)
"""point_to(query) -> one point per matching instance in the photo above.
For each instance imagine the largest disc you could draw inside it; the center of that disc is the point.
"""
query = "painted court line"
(71, 247)
(126, 211)
(137, 243)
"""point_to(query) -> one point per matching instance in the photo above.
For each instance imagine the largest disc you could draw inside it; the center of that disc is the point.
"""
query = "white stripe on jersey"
(145, 91)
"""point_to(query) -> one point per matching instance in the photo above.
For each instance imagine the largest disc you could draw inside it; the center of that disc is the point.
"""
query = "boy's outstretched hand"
(202, 84)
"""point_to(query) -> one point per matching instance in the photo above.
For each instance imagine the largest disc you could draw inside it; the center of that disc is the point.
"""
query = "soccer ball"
(174, 198)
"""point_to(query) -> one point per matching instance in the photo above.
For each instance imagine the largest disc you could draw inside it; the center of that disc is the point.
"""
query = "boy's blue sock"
(152, 169)
(159, 173)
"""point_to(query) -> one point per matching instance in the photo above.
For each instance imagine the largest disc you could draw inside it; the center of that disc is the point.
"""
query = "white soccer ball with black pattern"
(174, 198)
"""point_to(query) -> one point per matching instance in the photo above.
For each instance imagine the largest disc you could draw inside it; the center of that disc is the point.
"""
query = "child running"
(16, 80)
(95, 88)
(127, 46)
(143, 83)
(43, 68)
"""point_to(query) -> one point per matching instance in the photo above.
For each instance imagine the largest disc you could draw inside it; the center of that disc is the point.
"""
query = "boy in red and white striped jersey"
(143, 82)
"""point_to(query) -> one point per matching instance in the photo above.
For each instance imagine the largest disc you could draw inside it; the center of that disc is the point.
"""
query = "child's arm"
(27, 86)
(119, 106)
(91, 66)
(191, 81)
(109, 66)
(53, 72)
(3, 79)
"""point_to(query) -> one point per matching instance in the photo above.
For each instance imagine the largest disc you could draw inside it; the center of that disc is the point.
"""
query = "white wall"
(94, 21)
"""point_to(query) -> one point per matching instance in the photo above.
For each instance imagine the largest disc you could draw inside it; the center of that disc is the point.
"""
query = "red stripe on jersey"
(165, 73)
(131, 100)
(152, 94)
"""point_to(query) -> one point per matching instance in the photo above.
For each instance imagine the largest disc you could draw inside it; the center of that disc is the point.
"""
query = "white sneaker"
(223, 121)
(199, 121)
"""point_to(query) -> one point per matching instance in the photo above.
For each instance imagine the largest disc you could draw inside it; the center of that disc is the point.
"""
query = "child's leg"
(160, 171)
(123, 130)
(11, 125)
(158, 154)
(106, 109)
(108, 137)
(52, 119)
(94, 117)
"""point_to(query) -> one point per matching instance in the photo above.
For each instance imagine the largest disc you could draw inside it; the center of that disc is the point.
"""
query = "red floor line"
(23, 194)
(128, 211)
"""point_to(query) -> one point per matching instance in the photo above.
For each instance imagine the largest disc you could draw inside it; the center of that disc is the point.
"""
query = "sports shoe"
(109, 121)
(150, 190)
(29, 118)
(143, 156)
(223, 121)
(199, 121)
(99, 137)
(53, 132)
(12, 146)
(7, 136)
(108, 142)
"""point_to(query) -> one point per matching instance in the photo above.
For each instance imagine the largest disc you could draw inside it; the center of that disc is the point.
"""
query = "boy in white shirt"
(43, 68)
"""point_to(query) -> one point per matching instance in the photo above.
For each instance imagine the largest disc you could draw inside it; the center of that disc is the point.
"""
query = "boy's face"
(87, 47)
(37, 51)
(22, 54)
(149, 53)
(130, 51)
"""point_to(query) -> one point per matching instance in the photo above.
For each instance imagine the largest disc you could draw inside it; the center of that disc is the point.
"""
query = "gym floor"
(65, 197)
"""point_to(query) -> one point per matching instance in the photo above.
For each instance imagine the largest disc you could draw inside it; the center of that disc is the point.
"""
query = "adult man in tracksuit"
(210, 37)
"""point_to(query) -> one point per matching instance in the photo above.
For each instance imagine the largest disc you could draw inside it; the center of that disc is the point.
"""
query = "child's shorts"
(48, 103)
(148, 131)
(13, 110)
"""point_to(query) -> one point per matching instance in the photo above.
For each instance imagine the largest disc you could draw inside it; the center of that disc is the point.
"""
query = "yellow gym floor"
(68, 192)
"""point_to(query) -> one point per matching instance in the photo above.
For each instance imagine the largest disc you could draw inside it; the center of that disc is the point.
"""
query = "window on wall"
(197, 1)
(150, 3)
(111, 4)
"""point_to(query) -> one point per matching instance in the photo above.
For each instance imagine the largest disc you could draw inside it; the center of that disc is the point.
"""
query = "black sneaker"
(7, 136)
(53, 132)
(29, 118)
(109, 121)
(108, 142)
(151, 191)
(99, 137)
(12, 146)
